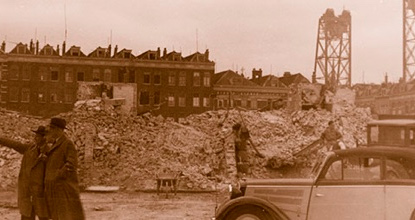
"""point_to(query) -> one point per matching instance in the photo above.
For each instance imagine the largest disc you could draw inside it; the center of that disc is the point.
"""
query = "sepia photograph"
(207, 110)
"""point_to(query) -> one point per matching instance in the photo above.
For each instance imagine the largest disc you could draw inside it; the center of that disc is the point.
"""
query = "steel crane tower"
(408, 40)
(332, 65)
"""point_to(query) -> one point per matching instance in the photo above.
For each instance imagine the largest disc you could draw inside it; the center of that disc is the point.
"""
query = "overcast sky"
(275, 35)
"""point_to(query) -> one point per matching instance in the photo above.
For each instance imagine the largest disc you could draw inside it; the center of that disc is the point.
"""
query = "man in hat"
(331, 137)
(242, 157)
(30, 196)
(61, 178)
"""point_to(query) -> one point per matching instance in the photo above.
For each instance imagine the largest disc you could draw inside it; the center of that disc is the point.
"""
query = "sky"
(274, 35)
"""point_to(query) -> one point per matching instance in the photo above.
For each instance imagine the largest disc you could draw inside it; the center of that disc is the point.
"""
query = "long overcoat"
(61, 181)
(30, 185)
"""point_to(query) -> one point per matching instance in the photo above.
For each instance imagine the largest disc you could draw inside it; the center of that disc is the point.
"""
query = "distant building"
(234, 90)
(46, 81)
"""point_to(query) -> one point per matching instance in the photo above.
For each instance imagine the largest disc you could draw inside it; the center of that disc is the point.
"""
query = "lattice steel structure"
(333, 50)
(408, 40)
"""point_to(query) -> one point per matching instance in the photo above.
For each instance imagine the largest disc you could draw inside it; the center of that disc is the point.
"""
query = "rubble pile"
(130, 151)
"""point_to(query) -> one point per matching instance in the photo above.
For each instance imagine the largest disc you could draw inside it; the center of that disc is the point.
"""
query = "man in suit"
(30, 189)
(61, 178)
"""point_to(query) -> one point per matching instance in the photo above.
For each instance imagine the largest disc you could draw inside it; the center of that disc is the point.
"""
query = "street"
(131, 206)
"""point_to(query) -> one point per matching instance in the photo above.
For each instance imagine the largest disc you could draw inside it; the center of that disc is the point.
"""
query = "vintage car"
(361, 183)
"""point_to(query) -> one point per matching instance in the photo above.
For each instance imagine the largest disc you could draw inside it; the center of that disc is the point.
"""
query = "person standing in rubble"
(241, 139)
(61, 178)
(331, 137)
(30, 187)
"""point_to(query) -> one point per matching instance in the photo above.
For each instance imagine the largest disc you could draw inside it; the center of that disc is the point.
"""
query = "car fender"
(224, 209)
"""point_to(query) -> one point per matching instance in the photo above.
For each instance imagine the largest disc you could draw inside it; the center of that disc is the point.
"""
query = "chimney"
(63, 48)
(31, 47)
(3, 46)
(57, 49)
(314, 77)
(256, 74)
(386, 78)
(115, 50)
(287, 74)
(37, 47)
(164, 52)
(207, 54)
(158, 52)
(109, 51)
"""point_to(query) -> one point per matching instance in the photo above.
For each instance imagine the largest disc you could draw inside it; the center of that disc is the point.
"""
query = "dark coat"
(61, 181)
(30, 182)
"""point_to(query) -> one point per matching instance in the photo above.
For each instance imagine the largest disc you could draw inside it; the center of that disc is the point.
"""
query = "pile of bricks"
(129, 151)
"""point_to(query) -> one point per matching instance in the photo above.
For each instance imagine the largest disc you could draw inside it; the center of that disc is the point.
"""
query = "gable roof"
(48, 50)
(124, 54)
(149, 55)
(269, 81)
(197, 57)
(229, 77)
(173, 56)
(75, 51)
(21, 48)
(297, 78)
(100, 52)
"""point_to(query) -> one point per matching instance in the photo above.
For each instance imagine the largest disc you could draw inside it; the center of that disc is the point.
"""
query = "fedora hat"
(58, 122)
(41, 130)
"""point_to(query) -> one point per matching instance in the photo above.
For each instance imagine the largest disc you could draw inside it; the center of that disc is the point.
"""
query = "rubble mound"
(130, 151)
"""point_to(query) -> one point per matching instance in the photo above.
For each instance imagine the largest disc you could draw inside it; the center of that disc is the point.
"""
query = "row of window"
(41, 96)
(124, 75)
(173, 100)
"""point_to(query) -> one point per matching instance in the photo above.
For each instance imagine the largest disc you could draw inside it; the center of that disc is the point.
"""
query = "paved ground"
(131, 206)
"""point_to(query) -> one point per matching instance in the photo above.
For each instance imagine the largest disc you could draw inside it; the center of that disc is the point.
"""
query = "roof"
(289, 79)
(229, 77)
(393, 122)
(378, 151)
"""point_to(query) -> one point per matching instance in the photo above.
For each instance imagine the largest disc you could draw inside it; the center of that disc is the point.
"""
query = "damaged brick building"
(47, 81)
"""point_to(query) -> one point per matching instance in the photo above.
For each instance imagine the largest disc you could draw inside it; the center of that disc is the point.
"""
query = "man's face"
(50, 134)
(39, 138)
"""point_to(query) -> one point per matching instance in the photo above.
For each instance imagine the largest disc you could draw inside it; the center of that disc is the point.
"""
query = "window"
(131, 76)
(69, 75)
(13, 94)
(170, 100)
(68, 97)
(146, 79)
(196, 102)
(53, 97)
(238, 102)
(182, 79)
(43, 73)
(196, 79)
(355, 168)
(152, 56)
(25, 95)
(81, 76)
(14, 72)
(54, 75)
(182, 101)
(144, 98)
(41, 97)
(121, 73)
(206, 79)
(206, 102)
(96, 75)
(172, 78)
(157, 98)
(157, 79)
(26, 72)
(107, 75)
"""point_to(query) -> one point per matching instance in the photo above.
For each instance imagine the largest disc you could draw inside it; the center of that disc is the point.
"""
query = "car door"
(348, 188)
(399, 187)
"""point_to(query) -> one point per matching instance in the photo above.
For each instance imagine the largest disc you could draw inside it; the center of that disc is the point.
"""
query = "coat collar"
(57, 143)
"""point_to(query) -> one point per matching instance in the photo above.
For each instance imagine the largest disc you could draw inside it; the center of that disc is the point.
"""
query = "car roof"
(406, 152)
(393, 122)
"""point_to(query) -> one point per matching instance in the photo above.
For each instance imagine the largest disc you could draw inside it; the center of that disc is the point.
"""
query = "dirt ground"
(132, 206)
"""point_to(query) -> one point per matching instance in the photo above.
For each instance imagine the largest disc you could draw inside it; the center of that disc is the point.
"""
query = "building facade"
(45, 81)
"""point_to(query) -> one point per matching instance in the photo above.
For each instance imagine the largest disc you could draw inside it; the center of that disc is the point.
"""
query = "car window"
(354, 168)
(399, 168)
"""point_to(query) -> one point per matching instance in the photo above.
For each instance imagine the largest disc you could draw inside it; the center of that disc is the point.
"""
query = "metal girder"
(408, 40)
(333, 50)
